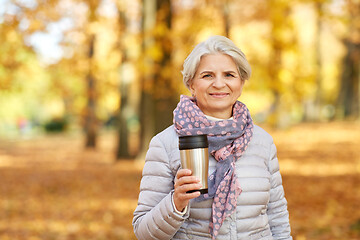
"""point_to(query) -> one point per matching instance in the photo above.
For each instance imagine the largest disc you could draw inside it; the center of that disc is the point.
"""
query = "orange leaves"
(51, 188)
(48, 193)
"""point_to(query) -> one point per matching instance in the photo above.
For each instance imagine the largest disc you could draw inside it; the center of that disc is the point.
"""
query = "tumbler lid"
(193, 141)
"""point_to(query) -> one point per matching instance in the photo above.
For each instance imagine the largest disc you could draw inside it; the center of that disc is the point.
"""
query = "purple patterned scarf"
(228, 139)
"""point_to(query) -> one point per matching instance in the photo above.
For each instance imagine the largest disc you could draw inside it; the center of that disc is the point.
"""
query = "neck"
(220, 116)
(217, 119)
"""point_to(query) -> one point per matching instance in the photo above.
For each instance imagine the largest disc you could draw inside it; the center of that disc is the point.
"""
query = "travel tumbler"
(194, 155)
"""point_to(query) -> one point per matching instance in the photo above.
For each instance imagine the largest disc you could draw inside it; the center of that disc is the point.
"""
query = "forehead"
(217, 62)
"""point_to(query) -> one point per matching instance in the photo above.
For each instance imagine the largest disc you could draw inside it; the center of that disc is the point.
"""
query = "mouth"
(219, 95)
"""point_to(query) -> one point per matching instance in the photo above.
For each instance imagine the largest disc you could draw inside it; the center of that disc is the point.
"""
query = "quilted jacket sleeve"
(154, 217)
(277, 206)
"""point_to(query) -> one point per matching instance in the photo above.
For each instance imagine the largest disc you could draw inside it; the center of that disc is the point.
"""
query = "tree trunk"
(146, 82)
(318, 97)
(226, 18)
(90, 117)
(348, 100)
(91, 124)
(165, 93)
(349, 95)
(159, 96)
(277, 13)
(123, 131)
(122, 150)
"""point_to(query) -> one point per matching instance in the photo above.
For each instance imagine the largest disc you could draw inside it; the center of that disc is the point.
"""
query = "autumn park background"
(84, 85)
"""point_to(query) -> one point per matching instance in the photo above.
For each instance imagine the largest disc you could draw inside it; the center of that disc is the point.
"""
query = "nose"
(219, 82)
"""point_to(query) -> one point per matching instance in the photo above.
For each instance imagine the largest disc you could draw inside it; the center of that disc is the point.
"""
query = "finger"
(186, 180)
(182, 200)
(186, 195)
(183, 189)
(181, 177)
(193, 195)
(183, 172)
(183, 196)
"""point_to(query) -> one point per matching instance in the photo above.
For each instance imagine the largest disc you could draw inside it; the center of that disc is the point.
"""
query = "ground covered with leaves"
(53, 189)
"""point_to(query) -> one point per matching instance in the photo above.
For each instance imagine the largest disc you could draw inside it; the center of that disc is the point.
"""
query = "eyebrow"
(206, 71)
(230, 71)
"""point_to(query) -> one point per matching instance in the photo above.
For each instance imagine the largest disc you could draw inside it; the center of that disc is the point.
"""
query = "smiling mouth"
(219, 95)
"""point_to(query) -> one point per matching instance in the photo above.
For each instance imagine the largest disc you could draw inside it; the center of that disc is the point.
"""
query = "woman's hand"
(185, 182)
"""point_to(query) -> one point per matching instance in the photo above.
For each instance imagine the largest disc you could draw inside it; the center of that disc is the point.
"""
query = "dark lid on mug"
(193, 141)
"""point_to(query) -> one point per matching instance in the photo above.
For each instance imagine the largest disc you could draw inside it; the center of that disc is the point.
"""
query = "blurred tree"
(315, 103)
(159, 96)
(67, 84)
(91, 125)
(281, 40)
(91, 121)
(91, 79)
(318, 95)
(20, 19)
(24, 77)
(15, 55)
(349, 95)
(164, 89)
(122, 150)
(226, 17)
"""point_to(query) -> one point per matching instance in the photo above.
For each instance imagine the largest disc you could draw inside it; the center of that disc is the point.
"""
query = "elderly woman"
(246, 198)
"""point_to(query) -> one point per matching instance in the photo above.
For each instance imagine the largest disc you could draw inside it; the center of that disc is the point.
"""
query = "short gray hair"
(213, 45)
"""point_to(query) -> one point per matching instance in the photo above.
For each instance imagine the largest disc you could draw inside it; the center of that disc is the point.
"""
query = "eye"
(229, 75)
(206, 76)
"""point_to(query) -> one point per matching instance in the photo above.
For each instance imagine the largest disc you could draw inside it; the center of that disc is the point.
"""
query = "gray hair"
(213, 45)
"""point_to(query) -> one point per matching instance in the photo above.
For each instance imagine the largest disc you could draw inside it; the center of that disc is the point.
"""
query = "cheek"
(239, 89)
(242, 83)
(198, 87)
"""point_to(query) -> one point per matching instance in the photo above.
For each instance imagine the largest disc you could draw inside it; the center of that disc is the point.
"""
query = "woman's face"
(217, 85)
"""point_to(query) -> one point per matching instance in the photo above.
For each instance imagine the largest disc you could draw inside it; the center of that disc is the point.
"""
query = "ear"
(242, 81)
(191, 88)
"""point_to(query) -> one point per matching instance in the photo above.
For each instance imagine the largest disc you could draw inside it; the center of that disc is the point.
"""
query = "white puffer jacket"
(261, 207)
